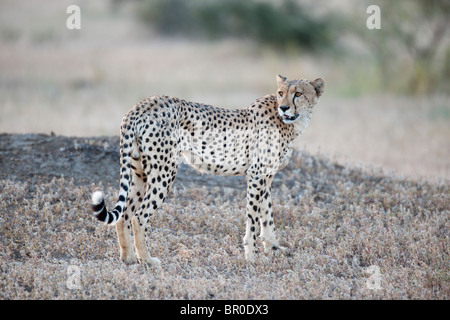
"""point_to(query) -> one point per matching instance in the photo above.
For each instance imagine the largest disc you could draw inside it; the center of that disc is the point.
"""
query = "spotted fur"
(256, 142)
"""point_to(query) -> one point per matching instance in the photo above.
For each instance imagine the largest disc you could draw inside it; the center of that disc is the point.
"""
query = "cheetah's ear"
(319, 85)
(280, 79)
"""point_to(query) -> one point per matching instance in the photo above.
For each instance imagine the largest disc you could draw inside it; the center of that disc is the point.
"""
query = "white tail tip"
(97, 197)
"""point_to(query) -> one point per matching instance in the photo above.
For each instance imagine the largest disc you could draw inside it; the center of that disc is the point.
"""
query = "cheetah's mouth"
(289, 119)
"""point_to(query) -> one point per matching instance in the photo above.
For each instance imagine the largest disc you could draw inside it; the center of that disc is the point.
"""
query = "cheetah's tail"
(98, 202)
(127, 144)
(100, 211)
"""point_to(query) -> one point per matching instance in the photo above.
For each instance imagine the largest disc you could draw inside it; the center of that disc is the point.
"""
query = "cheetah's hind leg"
(158, 183)
(123, 226)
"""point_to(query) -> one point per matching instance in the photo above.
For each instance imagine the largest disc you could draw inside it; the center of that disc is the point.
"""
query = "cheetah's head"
(296, 98)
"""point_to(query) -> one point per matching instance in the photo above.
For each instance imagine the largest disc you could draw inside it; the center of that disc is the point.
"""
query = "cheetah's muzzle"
(289, 119)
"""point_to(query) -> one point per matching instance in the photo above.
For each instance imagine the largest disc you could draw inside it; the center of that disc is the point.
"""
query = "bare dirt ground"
(340, 224)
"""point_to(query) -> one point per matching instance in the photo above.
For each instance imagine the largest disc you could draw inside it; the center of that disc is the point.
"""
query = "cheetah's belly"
(214, 165)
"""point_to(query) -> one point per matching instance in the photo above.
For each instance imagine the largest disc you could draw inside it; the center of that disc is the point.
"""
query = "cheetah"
(256, 142)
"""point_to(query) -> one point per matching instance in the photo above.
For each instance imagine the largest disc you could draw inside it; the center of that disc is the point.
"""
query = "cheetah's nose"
(284, 108)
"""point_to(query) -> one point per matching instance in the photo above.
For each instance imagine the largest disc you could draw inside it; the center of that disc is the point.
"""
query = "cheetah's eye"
(280, 93)
(298, 94)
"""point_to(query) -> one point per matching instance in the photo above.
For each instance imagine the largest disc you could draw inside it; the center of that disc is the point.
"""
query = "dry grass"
(336, 221)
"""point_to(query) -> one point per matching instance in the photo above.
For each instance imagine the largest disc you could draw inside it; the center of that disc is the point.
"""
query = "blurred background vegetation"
(279, 24)
(411, 52)
(386, 100)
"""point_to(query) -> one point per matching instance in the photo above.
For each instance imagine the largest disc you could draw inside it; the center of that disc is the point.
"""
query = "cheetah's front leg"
(252, 213)
(266, 217)
(250, 239)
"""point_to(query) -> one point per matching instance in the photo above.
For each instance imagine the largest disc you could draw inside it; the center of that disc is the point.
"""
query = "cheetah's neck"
(300, 125)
